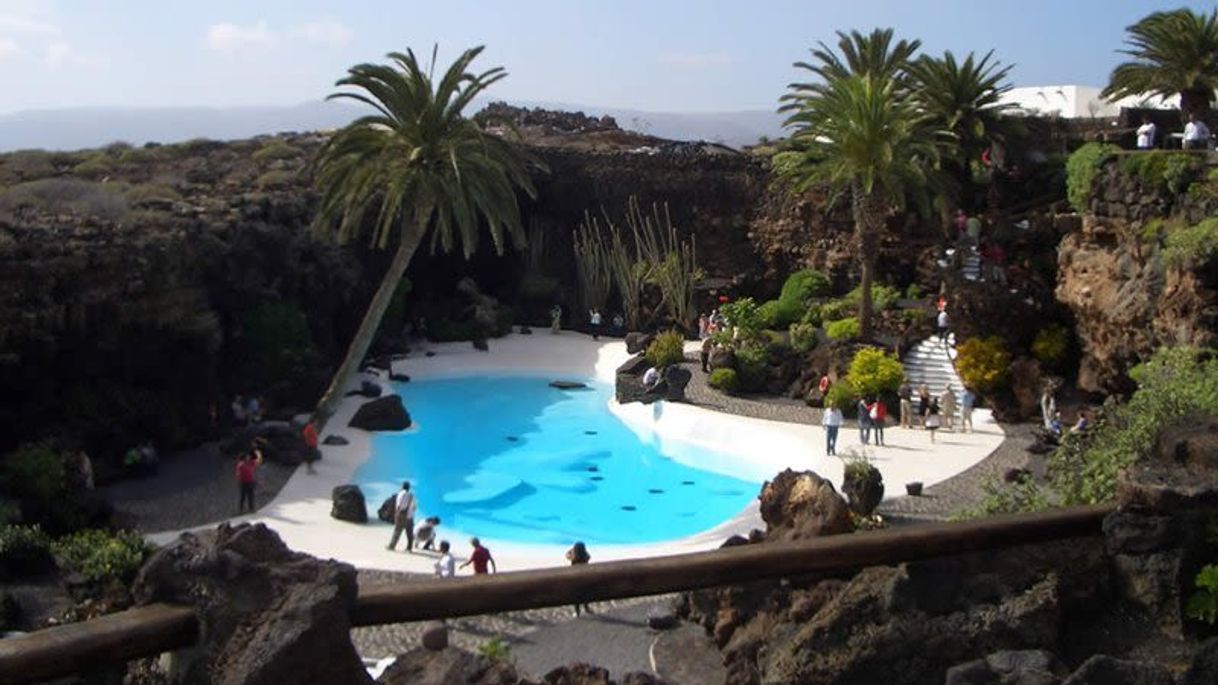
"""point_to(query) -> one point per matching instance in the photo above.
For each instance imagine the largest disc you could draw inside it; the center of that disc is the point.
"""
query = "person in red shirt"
(878, 412)
(480, 558)
(247, 477)
(309, 433)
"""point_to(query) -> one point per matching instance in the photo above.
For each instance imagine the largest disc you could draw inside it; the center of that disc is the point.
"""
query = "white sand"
(300, 513)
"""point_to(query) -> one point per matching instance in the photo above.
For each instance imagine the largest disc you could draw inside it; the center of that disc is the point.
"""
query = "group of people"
(710, 324)
(247, 410)
(1196, 134)
(932, 412)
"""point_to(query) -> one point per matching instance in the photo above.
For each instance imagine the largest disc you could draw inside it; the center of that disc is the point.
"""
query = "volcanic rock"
(384, 414)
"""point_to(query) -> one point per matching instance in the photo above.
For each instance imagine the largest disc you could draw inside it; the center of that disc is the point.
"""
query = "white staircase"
(970, 265)
(930, 363)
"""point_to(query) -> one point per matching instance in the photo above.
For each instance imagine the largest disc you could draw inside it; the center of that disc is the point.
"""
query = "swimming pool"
(510, 458)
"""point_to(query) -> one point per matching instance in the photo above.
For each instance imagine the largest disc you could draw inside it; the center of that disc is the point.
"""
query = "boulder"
(568, 385)
(348, 504)
(1204, 669)
(1182, 472)
(267, 615)
(638, 342)
(863, 486)
(399, 377)
(435, 636)
(369, 389)
(1029, 667)
(798, 505)
(335, 440)
(674, 381)
(722, 358)
(383, 414)
(1105, 670)
(578, 674)
(480, 344)
(447, 666)
(525, 330)
(662, 619)
(629, 387)
(386, 510)
(278, 441)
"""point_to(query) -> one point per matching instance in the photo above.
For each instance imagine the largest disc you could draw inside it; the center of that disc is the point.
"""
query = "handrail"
(150, 630)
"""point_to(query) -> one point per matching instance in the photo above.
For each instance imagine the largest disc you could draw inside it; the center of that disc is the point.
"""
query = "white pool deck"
(300, 513)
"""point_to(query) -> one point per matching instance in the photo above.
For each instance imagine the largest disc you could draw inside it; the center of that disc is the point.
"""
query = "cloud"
(17, 23)
(694, 60)
(8, 48)
(59, 53)
(226, 37)
(324, 31)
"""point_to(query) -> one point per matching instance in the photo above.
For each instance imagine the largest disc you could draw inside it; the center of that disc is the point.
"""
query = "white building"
(1074, 102)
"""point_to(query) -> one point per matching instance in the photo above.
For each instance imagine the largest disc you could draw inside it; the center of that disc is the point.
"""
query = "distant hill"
(77, 128)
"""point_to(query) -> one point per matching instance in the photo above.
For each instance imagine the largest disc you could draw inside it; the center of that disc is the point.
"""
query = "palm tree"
(419, 164)
(1174, 53)
(965, 99)
(858, 131)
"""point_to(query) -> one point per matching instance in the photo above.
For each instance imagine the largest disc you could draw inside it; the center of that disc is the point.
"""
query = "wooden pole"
(151, 630)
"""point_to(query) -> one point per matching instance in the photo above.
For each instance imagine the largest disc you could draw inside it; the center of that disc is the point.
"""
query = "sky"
(657, 55)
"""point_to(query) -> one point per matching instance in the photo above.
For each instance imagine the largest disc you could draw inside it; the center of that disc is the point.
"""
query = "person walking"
(312, 453)
(578, 556)
(247, 478)
(480, 558)
(556, 319)
(967, 400)
(707, 346)
(445, 566)
(923, 402)
(594, 322)
(932, 419)
(878, 412)
(403, 517)
(947, 402)
(864, 421)
(831, 420)
(905, 395)
(942, 321)
(703, 327)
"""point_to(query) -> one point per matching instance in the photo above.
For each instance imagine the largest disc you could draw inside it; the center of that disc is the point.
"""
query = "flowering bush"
(874, 371)
(983, 363)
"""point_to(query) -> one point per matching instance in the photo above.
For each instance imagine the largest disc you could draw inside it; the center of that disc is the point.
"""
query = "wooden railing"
(151, 630)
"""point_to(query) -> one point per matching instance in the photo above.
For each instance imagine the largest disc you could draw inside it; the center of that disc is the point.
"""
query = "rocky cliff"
(1126, 300)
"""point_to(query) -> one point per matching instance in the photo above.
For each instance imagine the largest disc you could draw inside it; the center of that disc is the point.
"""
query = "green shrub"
(1081, 170)
(836, 309)
(914, 292)
(915, 317)
(1191, 246)
(873, 371)
(25, 551)
(725, 380)
(1203, 604)
(1021, 497)
(100, 556)
(34, 472)
(812, 316)
(744, 316)
(504, 317)
(667, 349)
(65, 196)
(277, 149)
(94, 167)
(841, 394)
(752, 368)
(1154, 230)
(140, 194)
(845, 329)
(882, 297)
(1175, 385)
(1163, 169)
(804, 285)
(983, 363)
(276, 179)
(1051, 345)
(495, 649)
(803, 337)
(538, 288)
(778, 314)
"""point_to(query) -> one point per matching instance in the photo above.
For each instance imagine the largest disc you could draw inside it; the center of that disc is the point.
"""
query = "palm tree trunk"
(368, 327)
(868, 219)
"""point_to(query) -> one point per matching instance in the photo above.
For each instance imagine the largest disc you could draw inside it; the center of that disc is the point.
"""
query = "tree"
(421, 166)
(859, 132)
(1174, 53)
(964, 98)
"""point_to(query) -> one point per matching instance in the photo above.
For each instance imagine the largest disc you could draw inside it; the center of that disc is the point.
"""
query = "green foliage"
(845, 329)
(813, 316)
(496, 649)
(983, 363)
(1081, 170)
(277, 149)
(725, 380)
(1051, 344)
(744, 315)
(841, 394)
(914, 292)
(100, 556)
(1174, 385)
(1203, 604)
(276, 343)
(752, 368)
(667, 349)
(34, 472)
(803, 285)
(803, 337)
(538, 288)
(1021, 497)
(1191, 246)
(1154, 230)
(915, 317)
(882, 297)
(25, 551)
(148, 192)
(94, 167)
(276, 179)
(1172, 54)
(65, 196)
(873, 371)
(837, 309)
(1166, 170)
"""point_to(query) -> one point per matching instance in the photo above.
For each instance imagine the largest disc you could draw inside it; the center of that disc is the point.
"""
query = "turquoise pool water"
(511, 458)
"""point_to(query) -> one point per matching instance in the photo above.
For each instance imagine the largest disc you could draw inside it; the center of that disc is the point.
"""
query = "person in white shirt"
(446, 566)
(943, 324)
(403, 517)
(1146, 134)
(831, 419)
(1196, 134)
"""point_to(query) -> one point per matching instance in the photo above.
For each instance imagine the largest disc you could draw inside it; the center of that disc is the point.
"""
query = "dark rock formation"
(279, 441)
(863, 486)
(335, 440)
(568, 385)
(629, 386)
(435, 636)
(637, 343)
(348, 504)
(450, 665)
(399, 377)
(1105, 670)
(367, 389)
(386, 511)
(797, 505)
(384, 414)
(1204, 669)
(722, 358)
(1032, 667)
(290, 625)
